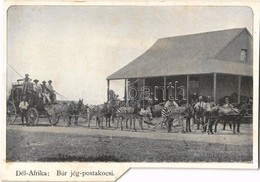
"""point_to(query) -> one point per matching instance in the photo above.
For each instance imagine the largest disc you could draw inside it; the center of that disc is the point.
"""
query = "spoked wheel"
(33, 116)
(54, 119)
(11, 113)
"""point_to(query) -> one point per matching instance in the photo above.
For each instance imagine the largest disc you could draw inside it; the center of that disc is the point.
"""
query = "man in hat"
(45, 92)
(170, 104)
(200, 109)
(208, 120)
(51, 91)
(227, 104)
(37, 88)
(26, 82)
(23, 106)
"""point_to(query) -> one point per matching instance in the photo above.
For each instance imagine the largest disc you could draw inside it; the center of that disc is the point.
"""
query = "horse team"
(117, 111)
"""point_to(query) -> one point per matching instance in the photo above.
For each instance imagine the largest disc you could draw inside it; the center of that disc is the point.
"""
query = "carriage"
(37, 109)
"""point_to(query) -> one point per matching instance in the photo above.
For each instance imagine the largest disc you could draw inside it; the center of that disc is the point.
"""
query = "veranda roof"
(188, 54)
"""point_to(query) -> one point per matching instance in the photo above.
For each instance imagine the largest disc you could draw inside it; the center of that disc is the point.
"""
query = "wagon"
(37, 109)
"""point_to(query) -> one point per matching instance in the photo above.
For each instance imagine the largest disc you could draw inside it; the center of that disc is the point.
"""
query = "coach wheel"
(54, 119)
(33, 116)
(11, 114)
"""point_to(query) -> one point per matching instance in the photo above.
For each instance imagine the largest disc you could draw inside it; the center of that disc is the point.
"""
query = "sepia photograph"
(92, 90)
(146, 84)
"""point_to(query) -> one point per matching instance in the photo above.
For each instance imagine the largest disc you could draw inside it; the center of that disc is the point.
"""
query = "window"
(243, 55)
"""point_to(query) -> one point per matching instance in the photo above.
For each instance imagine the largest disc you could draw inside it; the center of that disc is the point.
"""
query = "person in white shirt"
(208, 114)
(227, 105)
(51, 91)
(45, 93)
(200, 109)
(24, 107)
(37, 88)
(170, 104)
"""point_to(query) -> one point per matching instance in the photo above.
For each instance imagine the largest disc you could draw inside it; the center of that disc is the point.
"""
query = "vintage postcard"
(94, 89)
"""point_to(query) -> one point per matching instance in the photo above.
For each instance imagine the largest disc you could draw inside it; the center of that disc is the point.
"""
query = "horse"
(70, 109)
(233, 115)
(107, 113)
(99, 111)
(131, 113)
(75, 110)
(113, 107)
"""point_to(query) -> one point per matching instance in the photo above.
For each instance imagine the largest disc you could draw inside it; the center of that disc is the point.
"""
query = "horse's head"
(106, 105)
(80, 104)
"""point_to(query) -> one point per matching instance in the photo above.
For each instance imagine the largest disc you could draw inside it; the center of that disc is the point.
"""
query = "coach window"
(243, 55)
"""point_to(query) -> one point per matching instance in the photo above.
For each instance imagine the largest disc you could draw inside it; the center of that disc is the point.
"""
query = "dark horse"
(100, 112)
(72, 109)
(107, 113)
(232, 116)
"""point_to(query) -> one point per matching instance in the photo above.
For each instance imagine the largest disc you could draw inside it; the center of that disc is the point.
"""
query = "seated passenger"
(45, 93)
(51, 91)
(37, 88)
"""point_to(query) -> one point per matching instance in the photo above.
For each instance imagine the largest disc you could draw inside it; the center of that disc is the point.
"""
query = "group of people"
(202, 109)
(41, 91)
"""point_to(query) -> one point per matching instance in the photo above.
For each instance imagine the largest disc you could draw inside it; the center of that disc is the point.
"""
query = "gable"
(232, 52)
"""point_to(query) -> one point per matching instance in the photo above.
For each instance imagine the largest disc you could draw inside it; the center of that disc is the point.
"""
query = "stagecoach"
(37, 109)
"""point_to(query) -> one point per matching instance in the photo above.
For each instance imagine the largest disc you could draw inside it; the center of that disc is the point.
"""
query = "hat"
(43, 81)
(36, 80)
(226, 98)
(27, 74)
(49, 81)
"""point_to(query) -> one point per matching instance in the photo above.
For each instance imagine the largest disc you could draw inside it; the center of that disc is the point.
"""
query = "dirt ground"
(80, 143)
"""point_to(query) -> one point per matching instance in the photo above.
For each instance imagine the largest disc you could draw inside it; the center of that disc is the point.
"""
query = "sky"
(78, 47)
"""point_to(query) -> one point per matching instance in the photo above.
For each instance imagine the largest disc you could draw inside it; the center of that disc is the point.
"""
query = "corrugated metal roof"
(188, 54)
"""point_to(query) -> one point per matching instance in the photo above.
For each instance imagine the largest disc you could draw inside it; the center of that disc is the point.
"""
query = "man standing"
(51, 90)
(200, 108)
(26, 83)
(169, 106)
(24, 107)
(208, 114)
(151, 104)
